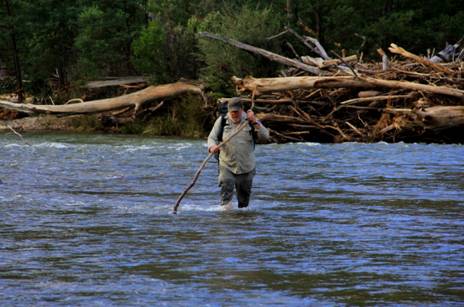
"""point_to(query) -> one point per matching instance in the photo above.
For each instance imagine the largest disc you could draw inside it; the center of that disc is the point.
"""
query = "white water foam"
(134, 148)
(52, 145)
(13, 145)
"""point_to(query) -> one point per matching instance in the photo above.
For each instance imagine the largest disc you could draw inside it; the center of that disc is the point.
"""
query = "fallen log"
(442, 90)
(266, 117)
(317, 46)
(134, 100)
(385, 60)
(398, 50)
(258, 86)
(442, 117)
(267, 54)
(125, 81)
(375, 98)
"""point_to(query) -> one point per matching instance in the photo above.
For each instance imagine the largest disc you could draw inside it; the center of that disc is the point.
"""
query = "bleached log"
(385, 60)
(317, 48)
(376, 98)
(321, 63)
(442, 90)
(437, 67)
(327, 63)
(264, 85)
(442, 117)
(268, 117)
(115, 82)
(135, 100)
(259, 86)
(267, 54)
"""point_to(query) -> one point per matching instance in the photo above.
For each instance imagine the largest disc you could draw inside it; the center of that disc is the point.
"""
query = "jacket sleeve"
(262, 134)
(213, 138)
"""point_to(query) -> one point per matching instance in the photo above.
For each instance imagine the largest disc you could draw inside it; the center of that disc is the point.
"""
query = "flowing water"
(86, 220)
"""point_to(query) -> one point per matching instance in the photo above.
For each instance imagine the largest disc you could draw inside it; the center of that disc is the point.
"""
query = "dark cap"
(234, 104)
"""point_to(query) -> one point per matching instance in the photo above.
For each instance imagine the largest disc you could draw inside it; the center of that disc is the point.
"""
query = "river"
(86, 220)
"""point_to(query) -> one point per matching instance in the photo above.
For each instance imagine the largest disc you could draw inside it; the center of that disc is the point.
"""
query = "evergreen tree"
(9, 55)
(51, 28)
(252, 26)
(106, 31)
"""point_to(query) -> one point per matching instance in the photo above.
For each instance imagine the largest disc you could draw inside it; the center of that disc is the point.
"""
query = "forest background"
(51, 48)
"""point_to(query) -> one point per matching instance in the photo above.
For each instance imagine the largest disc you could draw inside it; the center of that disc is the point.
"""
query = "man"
(237, 163)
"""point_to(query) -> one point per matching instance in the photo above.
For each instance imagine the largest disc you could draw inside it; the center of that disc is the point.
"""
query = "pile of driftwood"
(317, 98)
(326, 99)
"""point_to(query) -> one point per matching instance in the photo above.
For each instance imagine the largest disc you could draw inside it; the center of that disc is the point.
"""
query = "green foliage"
(148, 49)
(222, 61)
(413, 24)
(447, 27)
(45, 30)
(99, 42)
(181, 117)
(87, 123)
(7, 85)
(106, 32)
(165, 53)
(184, 118)
(396, 27)
(343, 21)
(91, 42)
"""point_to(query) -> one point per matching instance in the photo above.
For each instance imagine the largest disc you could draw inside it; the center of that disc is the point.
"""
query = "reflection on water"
(86, 220)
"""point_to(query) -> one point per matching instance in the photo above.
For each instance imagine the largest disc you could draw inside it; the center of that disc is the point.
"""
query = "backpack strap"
(253, 131)
(221, 127)
(254, 134)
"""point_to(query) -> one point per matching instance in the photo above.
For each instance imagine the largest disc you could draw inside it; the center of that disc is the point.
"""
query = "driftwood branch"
(398, 50)
(317, 48)
(267, 54)
(442, 117)
(125, 81)
(375, 98)
(19, 135)
(135, 100)
(385, 60)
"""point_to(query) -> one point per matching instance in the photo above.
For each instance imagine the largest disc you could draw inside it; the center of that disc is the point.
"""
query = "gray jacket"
(237, 155)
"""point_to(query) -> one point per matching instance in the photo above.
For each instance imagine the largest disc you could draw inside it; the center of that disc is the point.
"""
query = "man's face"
(235, 116)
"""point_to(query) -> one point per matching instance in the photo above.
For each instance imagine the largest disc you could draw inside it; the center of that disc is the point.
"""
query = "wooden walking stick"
(203, 164)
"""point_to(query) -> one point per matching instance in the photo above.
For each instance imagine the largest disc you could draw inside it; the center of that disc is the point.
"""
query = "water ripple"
(86, 220)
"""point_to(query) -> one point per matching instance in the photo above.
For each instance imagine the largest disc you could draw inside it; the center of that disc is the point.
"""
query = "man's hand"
(214, 148)
(251, 117)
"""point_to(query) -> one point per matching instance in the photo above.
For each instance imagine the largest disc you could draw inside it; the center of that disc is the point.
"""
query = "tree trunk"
(123, 81)
(17, 64)
(263, 85)
(135, 100)
(398, 50)
(267, 54)
(291, 13)
(442, 117)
